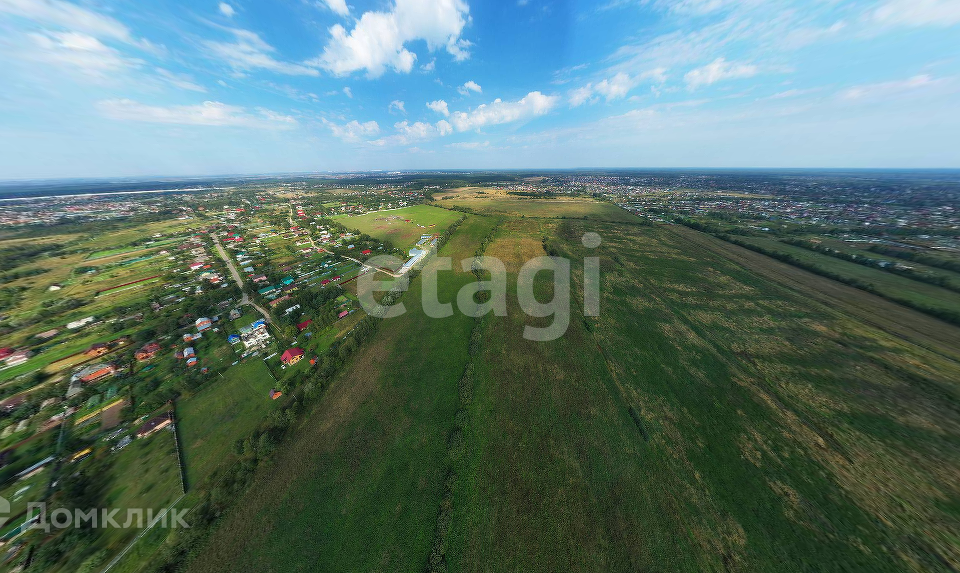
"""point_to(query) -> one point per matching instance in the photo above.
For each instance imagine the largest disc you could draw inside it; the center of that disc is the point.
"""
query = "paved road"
(238, 279)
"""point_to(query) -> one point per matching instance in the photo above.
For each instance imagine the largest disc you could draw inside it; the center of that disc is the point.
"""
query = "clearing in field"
(402, 227)
(228, 408)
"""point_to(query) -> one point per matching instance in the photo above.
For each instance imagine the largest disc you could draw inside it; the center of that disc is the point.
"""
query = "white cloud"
(398, 106)
(429, 66)
(407, 133)
(718, 70)
(615, 87)
(791, 93)
(468, 87)
(338, 7)
(293, 93)
(182, 81)
(348, 92)
(581, 95)
(378, 40)
(698, 7)
(918, 12)
(532, 105)
(77, 52)
(70, 16)
(227, 10)
(209, 113)
(223, 83)
(439, 106)
(887, 89)
(352, 131)
(250, 52)
(469, 145)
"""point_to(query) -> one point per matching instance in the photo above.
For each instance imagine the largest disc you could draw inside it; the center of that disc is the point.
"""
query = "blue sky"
(145, 87)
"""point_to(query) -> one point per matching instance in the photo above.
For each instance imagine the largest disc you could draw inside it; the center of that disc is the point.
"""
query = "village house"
(255, 335)
(154, 425)
(98, 349)
(18, 357)
(94, 373)
(80, 323)
(291, 356)
(147, 351)
(47, 334)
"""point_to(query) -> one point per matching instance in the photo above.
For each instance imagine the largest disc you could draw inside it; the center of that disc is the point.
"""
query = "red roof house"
(147, 352)
(303, 325)
(292, 356)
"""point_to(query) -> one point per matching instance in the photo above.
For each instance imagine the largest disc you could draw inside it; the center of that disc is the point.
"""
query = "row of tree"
(910, 273)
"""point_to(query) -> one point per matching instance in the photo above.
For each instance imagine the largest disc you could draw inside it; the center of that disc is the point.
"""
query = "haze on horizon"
(118, 88)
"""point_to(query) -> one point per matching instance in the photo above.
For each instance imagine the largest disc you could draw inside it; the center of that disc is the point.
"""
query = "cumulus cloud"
(249, 52)
(209, 113)
(615, 87)
(718, 70)
(429, 66)
(439, 106)
(532, 105)
(397, 106)
(407, 133)
(352, 131)
(337, 7)
(227, 10)
(378, 40)
(468, 87)
(348, 92)
(918, 12)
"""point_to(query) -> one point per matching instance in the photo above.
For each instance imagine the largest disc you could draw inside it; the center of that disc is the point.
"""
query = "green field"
(885, 283)
(392, 226)
(359, 485)
(572, 208)
(714, 417)
(228, 408)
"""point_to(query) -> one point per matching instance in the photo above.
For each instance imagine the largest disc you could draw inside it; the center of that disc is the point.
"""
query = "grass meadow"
(392, 226)
(884, 282)
(561, 207)
(724, 412)
(224, 410)
(358, 487)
